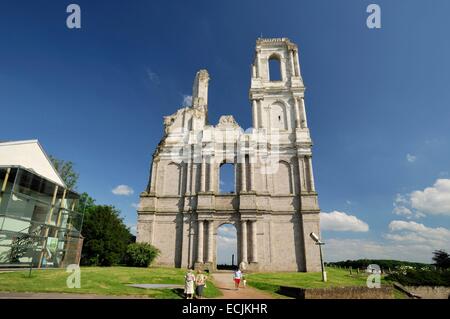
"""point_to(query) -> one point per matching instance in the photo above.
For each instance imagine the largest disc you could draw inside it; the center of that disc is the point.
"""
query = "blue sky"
(377, 100)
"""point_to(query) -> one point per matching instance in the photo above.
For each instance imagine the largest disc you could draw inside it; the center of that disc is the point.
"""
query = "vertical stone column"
(244, 241)
(181, 179)
(153, 179)
(188, 183)
(291, 58)
(301, 173)
(210, 241)
(311, 175)
(203, 176)
(252, 163)
(211, 174)
(258, 65)
(255, 114)
(296, 63)
(200, 241)
(303, 113)
(297, 113)
(254, 241)
(243, 175)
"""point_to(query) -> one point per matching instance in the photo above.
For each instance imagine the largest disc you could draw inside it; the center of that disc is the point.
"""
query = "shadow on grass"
(179, 292)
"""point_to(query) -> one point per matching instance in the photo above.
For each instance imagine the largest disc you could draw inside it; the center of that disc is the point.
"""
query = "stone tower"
(274, 205)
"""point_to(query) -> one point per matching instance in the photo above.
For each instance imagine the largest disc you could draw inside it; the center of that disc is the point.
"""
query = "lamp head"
(315, 237)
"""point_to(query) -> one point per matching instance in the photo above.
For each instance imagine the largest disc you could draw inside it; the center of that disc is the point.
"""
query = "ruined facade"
(274, 206)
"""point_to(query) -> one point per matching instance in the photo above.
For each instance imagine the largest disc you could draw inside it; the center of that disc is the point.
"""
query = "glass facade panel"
(6, 188)
(36, 216)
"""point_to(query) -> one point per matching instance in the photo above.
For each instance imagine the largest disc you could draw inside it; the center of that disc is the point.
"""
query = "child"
(237, 278)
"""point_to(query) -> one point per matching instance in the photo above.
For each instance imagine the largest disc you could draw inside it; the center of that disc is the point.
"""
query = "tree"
(66, 171)
(86, 202)
(441, 259)
(106, 237)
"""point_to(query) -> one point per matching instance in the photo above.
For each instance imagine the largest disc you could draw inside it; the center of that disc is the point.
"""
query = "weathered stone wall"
(427, 292)
(338, 293)
(274, 205)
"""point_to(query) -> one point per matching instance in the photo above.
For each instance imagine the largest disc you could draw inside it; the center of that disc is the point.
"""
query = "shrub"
(141, 254)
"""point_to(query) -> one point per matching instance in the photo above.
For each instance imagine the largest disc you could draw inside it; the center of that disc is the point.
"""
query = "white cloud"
(339, 221)
(123, 190)
(411, 158)
(135, 205)
(403, 211)
(419, 233)
(433, 200)
(406, 240)
(187, 100)
(152, 76)
(401, 204)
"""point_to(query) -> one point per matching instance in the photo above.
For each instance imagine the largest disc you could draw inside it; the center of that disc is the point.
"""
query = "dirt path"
(224, 281)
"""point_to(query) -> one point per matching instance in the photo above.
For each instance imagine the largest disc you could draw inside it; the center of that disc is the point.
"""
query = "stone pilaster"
(200, 241)
(254, 251)
(244, 257)
(210, 257)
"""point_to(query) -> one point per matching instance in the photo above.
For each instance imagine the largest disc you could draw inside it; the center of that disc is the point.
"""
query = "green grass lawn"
(101, 281)
(335, 278)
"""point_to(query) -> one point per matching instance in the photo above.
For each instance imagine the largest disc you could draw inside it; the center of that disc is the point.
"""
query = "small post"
(324, 274)
(350, 269)
(232, 260)
(320, 243)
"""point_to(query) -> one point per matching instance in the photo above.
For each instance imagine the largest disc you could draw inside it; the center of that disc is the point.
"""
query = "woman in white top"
(189, 281)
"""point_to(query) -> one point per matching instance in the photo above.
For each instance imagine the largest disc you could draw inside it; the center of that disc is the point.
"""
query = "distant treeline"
(384, 264)
(226, 267)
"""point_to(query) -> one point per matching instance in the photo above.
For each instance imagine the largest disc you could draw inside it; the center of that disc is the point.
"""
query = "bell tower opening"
(274, 68)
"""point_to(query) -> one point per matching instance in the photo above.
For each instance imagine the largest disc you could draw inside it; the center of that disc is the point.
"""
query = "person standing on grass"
(189, 281)
(200, 282)
(237, 278)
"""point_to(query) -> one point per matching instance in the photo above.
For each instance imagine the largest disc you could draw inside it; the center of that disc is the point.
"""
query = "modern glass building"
(39, 220)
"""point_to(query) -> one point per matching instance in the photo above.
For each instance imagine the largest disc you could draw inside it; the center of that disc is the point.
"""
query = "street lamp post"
(320, 243)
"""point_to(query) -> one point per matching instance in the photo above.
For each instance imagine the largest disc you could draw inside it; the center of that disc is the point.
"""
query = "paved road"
(224, 281)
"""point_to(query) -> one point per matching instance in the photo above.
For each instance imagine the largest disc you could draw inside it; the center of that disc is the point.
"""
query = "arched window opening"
(227, 247)
(278, 116)
(227, 179)
(274, 69)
